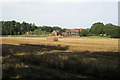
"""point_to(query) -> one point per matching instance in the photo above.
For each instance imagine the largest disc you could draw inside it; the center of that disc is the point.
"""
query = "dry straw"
(55, 38)
(60, 36)
(52, 38)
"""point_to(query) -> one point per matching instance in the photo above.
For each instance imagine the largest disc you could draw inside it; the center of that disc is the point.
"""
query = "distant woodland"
(17, 28)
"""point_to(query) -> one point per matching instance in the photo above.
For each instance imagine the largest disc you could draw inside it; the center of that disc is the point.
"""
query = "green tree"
(97, 28)
(108, 28)
(63, 30)
(33, 27)
(57, 28)
(112, 30)
(7, 32)
(18, 27)
(84, 32)
(37, 31)
(46, 28)
(115, 32)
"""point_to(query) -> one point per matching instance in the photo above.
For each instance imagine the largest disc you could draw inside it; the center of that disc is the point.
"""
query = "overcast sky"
(63, 13)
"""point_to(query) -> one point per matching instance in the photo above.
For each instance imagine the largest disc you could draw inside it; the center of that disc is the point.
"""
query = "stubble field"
(25, 57)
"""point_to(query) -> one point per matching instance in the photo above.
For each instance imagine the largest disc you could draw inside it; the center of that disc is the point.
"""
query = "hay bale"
(55, 38)
(52, 38)
(60, 36)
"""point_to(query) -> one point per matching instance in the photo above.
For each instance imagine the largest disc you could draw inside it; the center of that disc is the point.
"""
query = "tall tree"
(97, 28)
(112, 30)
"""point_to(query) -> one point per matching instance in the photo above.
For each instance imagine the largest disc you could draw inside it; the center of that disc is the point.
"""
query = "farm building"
(68, 32)
(72, 32)
(43, 32)
(56, 33)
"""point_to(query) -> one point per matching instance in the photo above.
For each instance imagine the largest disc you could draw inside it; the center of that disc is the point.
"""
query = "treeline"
(101, 29)
(17, 28)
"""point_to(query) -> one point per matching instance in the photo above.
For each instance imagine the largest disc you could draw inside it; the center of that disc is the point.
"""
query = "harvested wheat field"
(73, 44)
(93, 58)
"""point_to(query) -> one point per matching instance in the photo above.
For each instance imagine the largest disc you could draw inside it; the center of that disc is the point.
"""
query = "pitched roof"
(43, 31)
(72, 30)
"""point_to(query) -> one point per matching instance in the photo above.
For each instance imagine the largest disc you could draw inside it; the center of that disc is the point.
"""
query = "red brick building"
(72, 32)
(68, 32)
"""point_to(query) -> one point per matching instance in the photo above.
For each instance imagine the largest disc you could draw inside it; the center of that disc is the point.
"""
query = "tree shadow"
(58, 64)
(8, 49)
